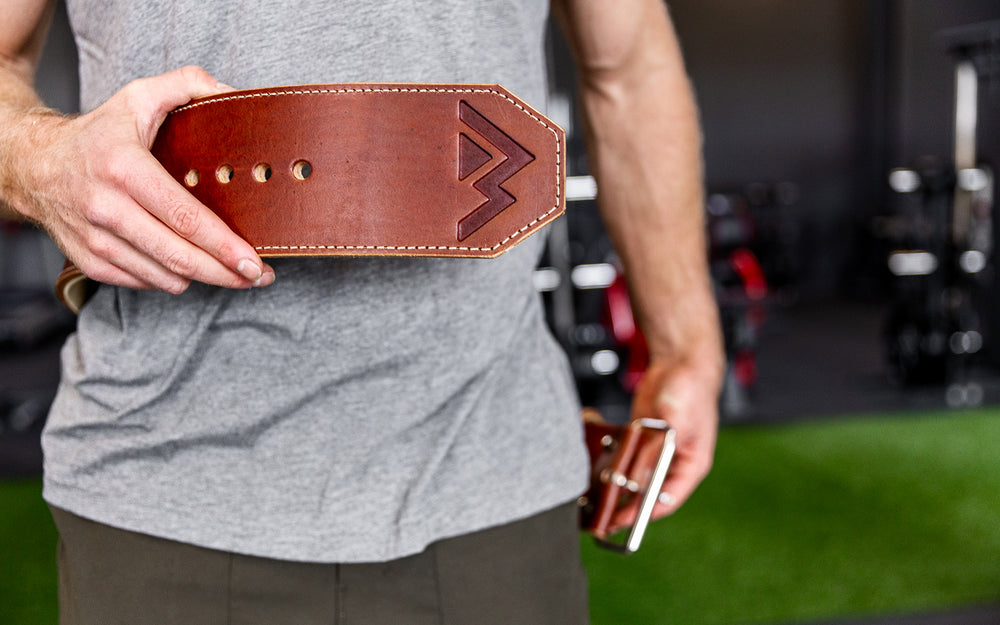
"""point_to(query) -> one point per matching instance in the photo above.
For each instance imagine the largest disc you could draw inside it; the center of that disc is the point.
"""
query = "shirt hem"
(185, 527)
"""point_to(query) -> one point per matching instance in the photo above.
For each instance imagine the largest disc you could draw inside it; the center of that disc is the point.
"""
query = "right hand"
(92, 183)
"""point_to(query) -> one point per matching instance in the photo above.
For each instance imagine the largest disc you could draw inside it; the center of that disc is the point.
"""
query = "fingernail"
(266, 278)
(249, 270)
(221, 86)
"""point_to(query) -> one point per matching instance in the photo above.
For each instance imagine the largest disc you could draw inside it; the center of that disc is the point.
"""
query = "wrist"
(688, 331)
(700, 353)
(22, 137)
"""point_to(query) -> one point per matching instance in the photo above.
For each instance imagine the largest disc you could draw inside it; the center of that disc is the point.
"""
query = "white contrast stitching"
(367, 90)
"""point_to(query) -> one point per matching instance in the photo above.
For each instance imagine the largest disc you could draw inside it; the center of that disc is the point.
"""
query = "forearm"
(645, 148)
(645, 151)
(21, 109)
(21, 112)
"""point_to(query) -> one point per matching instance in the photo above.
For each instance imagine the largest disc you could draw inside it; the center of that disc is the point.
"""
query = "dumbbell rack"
(942, 261)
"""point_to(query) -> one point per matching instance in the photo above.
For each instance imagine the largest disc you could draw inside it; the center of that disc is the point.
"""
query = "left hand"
(686, 397)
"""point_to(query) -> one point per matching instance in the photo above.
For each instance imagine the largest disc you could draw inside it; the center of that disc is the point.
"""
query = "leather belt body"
(366, 169)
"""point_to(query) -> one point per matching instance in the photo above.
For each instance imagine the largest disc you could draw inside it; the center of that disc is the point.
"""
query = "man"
(355, 440)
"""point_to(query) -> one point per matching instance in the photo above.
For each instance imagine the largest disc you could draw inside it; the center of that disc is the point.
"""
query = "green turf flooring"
(822, 520)
(27, 556)
(797, 523)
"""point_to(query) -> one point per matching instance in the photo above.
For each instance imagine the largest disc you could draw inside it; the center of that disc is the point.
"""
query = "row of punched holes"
(261, 173)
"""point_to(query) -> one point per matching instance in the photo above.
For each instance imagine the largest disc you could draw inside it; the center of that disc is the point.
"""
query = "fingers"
(640, 473)
(695, 421)
(108, 273)
(687, 402)
(687, 470)
(691, 465)
(93, 184)
(208, 251)
(126, 221)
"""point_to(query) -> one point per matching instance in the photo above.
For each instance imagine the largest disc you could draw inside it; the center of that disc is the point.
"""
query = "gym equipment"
(941, 239)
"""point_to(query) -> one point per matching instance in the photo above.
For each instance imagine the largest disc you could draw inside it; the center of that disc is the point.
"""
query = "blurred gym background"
(850, 149)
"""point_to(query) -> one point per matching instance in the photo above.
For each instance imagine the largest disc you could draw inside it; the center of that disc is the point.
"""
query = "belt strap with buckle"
(621, 478)
(365, 170)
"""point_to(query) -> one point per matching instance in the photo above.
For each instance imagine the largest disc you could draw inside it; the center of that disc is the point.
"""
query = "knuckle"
(183, 217)
(226, 252)
(132, 96)
(179, 264)
(119, 168)
(193, 73)
(100, 247)
(99, 215)
(132, 86)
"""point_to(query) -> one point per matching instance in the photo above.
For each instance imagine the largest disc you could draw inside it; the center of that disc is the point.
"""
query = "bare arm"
(91, 182)
(21, 37)
(645, 149)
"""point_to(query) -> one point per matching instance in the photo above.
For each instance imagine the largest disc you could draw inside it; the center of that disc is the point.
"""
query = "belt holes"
(224, 174)
(191, 178)
(262, 172)
(301, 170)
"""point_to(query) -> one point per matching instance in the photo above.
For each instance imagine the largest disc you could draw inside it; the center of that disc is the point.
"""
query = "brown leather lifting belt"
(365, 169)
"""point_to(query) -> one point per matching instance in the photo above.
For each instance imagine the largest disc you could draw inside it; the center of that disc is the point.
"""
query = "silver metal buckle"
(650, 497)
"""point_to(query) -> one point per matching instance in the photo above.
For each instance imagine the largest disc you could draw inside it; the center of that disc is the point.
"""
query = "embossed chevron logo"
(472, 157)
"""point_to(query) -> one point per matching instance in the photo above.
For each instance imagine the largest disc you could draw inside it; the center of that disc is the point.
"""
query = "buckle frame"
(633, 541)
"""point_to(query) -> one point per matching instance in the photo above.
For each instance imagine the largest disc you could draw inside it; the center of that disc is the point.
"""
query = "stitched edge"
(369, 90)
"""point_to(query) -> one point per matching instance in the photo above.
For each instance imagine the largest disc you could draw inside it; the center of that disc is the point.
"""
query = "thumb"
(153, 98)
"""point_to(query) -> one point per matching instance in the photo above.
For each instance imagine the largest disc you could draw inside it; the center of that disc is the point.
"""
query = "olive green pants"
(527, 572)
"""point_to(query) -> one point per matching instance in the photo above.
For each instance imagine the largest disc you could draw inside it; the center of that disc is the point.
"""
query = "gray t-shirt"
(357, 409)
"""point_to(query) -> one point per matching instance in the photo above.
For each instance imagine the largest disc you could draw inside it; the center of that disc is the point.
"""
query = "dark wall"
(780, 83)
(828, 94)
(775, 81)
(57, 80)
(925, 82)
